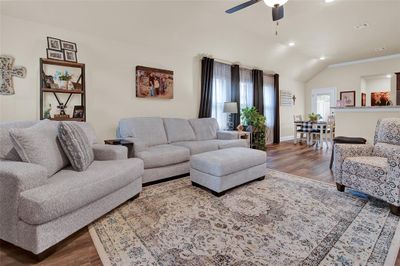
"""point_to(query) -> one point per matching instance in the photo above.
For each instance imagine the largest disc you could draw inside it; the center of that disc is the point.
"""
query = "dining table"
(309, 127)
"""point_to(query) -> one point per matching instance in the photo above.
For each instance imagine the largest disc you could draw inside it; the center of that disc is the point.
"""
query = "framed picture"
(363, 99)
(56, 55)
(70, 56)
(53, 43)
(348, 98)
(79, 111)
(68, 46)
(154, 83)
(380, 99)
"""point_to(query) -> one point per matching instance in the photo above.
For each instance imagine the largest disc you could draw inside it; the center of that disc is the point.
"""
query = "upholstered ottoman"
(228, 168)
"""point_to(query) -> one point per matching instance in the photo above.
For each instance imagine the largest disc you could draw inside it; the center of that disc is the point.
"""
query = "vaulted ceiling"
(317, 28)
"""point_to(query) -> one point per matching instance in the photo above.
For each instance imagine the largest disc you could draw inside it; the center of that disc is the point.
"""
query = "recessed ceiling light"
(322, 58)
(379, 49)
(292, 44)
(361, 26)
(389, 76)
(329, 1)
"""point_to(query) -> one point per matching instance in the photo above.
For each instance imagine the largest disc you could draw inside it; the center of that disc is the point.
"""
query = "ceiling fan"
(277, 7)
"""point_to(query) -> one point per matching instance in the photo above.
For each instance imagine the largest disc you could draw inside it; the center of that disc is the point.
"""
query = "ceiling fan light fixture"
(275, 3)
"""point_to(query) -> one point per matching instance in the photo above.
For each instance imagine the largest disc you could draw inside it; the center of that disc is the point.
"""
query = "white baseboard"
(286, 138)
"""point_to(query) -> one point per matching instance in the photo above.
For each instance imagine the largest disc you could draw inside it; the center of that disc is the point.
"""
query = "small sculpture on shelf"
(47, 113)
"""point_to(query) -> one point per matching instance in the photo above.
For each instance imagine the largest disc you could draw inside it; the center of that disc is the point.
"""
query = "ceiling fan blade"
(277, 13)
(241, 6)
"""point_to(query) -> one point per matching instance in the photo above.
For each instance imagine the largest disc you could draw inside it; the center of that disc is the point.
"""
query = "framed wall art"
(154, 83)
(363, 99)
(348, 98)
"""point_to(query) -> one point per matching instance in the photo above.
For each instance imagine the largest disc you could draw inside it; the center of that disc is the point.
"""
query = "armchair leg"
(394, 209)
(340, 187)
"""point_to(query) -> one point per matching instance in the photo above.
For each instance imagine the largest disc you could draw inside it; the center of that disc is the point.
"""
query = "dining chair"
(299, 129)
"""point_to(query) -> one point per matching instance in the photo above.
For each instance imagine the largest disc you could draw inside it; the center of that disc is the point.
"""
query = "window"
(269, 107)
(246, 88)
(324, 105)
(221, 92)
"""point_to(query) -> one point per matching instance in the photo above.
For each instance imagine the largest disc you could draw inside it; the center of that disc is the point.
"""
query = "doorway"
(322, 100)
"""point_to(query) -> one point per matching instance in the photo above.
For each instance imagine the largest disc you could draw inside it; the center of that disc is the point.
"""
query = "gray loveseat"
(166, 144)
(37, 211)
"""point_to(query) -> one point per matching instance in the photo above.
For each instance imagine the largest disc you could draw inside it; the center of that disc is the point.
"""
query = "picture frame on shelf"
(49, 82)
(53, 43)
(79, 111)
(70, 56)
(70, 46)
(348, 98)
(55, 55)
(363, 99)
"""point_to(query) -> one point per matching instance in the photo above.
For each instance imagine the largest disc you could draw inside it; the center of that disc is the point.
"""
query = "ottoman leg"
(260, 178)
(195, 184)
(218, 194)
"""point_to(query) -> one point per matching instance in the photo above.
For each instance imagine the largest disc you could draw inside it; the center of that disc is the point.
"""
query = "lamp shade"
(230, 107)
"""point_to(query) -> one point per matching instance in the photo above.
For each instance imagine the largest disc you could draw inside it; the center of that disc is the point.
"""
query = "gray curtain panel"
(277, 133)
(235, 93)
(258, 90)
(207, 67)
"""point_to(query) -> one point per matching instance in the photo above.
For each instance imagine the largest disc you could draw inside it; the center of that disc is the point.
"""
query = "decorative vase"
(64, 84)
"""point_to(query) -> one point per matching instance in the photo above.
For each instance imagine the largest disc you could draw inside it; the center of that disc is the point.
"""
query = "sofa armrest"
(104, 152)
(138, 146)
(16, 177)
(393, 179)
(227, 135)
(343, 151)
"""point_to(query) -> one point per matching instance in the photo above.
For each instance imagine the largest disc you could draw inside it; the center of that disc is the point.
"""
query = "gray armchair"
(372, 169)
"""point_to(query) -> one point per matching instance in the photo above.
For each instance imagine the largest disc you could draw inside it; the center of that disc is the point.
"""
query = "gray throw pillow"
(76, 145)
(39, 144)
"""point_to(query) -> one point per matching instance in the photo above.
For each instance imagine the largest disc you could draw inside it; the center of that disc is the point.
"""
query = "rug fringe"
(394, 248)
(99, 246)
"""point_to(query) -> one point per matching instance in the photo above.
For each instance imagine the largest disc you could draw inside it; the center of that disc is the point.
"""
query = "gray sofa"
(37, 211)
(166, 144)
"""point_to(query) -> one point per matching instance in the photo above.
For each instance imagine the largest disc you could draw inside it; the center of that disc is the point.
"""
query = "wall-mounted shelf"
(62, 91)
(44, 89)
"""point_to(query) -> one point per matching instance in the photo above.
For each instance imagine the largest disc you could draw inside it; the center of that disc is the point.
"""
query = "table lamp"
(230, 108)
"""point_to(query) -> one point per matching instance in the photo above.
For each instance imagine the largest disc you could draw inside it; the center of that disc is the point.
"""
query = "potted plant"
(254, 123)
(314, 117)
(64, 80)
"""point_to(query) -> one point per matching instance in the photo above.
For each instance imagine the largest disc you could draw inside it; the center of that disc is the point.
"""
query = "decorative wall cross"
(7, 71)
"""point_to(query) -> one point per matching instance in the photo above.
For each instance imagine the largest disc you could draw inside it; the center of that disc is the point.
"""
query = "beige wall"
(361, 123)
(110, 68)
(348, 78)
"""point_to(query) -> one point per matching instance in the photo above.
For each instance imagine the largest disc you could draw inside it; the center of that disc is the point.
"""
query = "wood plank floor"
(78, 249)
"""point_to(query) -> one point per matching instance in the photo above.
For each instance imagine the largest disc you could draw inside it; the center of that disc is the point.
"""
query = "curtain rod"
(269, 73)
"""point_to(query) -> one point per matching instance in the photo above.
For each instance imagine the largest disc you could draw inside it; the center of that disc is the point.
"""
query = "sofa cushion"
(205, 128)
(199, 146)
(224, 144)
(39, 144)
(388, 131)
(76, 145)
(385, 149)
(178, 129)
(69, 190)
(227, 161)
(163, 155)
(149, 129)
(371, 167)
(7, 150)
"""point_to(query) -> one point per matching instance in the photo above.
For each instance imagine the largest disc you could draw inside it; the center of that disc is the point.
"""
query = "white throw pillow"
(39, 144)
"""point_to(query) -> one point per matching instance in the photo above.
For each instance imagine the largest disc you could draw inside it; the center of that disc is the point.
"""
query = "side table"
(122, 142)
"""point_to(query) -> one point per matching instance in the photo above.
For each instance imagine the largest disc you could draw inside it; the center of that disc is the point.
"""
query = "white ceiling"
(317, 28)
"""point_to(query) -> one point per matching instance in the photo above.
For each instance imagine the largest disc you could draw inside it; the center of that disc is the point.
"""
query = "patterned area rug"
(282, 220)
